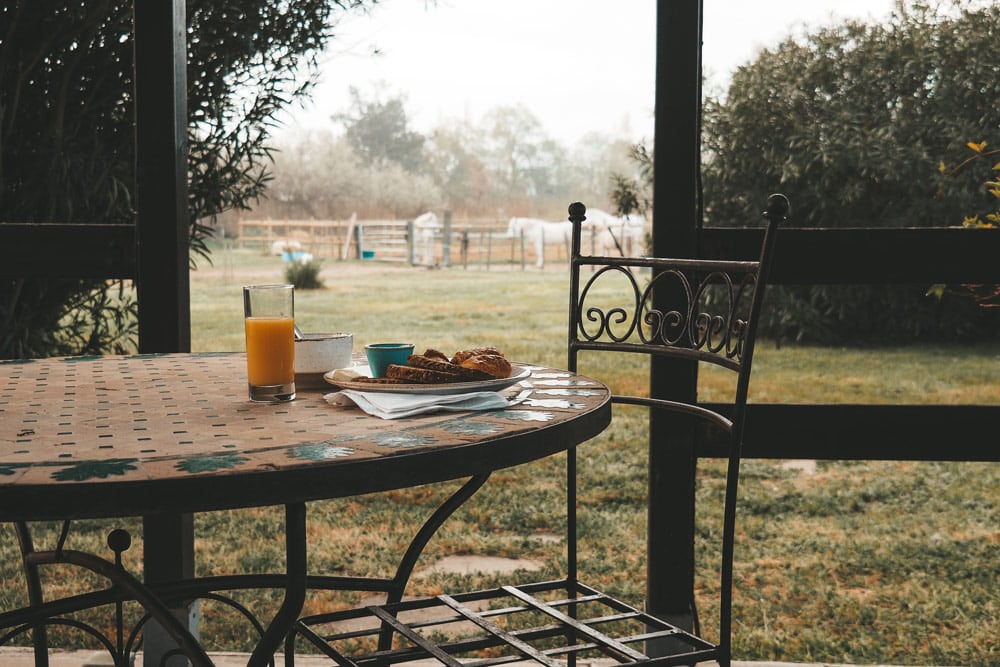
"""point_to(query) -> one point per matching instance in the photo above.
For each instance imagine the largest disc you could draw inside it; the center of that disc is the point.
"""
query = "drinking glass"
(269, 318)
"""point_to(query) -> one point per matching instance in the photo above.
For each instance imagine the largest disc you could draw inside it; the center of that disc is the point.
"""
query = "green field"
(846, 562)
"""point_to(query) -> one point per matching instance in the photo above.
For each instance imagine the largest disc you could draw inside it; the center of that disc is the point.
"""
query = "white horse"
(426, 228)
(540, 233)
(624, 236)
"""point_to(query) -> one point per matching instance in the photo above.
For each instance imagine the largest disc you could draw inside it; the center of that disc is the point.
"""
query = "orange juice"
(270, 350)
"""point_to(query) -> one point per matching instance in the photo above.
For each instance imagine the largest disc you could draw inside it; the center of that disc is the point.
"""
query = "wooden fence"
(477, 243)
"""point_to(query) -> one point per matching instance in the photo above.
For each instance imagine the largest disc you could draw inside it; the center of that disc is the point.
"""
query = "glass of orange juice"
(269, 318)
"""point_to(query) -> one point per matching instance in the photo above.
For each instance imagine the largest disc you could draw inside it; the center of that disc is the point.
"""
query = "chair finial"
(778, 207)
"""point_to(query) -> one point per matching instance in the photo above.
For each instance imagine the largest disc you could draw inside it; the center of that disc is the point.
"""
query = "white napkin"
(394, 405)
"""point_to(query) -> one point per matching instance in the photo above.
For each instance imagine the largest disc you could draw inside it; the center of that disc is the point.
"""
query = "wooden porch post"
(162, 258)
(670, 548)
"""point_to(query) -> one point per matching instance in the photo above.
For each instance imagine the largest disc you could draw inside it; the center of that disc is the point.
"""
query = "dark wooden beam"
(864, 432)
(67, 251)
(805, 256)
(865, 255)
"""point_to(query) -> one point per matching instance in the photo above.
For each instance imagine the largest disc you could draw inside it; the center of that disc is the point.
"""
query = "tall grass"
(855, 562)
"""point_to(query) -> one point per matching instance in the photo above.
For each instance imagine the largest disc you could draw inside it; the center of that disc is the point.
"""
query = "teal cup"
(380, 355)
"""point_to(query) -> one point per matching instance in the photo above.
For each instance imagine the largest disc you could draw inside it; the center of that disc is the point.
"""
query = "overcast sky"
(579, 65)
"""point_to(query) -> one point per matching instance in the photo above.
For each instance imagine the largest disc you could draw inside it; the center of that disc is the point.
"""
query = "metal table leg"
(295, 587)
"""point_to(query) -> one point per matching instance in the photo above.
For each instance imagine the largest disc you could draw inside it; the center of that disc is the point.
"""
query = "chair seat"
(547, 623)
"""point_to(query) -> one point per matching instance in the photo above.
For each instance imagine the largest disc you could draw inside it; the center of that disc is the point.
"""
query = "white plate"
(517, 373)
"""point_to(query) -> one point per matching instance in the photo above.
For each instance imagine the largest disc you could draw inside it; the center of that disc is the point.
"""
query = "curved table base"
(158, 599)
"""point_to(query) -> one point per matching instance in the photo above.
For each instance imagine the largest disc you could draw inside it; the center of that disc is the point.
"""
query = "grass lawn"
(850, 562)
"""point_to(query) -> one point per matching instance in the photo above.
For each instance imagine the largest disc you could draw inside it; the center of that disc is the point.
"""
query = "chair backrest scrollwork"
(694, 308)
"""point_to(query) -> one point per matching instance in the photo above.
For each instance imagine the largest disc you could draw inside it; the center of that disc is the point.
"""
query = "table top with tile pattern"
(136, 435)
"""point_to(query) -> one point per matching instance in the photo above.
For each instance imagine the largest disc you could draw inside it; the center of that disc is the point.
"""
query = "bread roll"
(493, 365)
(476, 351)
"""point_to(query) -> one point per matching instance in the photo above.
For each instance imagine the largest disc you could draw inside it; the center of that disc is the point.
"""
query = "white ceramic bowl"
(318, 353)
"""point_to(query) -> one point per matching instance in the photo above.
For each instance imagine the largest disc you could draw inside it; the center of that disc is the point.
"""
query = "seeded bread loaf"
(420, 375)
(467, 374)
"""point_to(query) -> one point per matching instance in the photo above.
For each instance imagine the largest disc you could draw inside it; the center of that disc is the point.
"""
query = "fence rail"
(481, 243)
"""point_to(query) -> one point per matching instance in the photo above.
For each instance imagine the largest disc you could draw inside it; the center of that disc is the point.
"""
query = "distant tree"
(521, 156)
(600, 159)
(632, 187)
(455, 158)
(378, 130)
(319, 176)
(66, 136)
(315, 176)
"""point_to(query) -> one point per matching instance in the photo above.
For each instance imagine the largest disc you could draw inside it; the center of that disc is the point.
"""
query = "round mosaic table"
(89, 437)
(126, 436)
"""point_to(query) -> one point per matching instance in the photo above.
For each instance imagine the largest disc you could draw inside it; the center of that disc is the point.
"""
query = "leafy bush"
(304, 275)
(988, 216)
(851, 122)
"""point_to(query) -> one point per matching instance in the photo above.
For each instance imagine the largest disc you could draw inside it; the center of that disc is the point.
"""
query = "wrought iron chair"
(702, 311)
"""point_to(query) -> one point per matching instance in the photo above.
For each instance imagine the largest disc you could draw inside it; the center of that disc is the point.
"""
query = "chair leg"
(39, 636)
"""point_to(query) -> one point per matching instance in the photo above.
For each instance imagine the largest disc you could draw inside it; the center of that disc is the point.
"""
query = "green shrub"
(304, 275)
